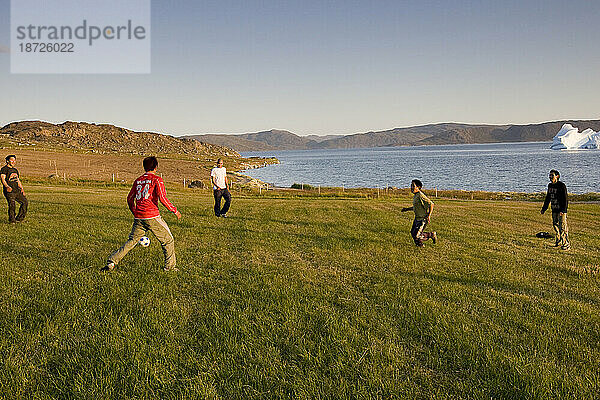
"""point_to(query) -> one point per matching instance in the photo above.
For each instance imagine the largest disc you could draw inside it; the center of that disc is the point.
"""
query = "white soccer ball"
(144, 241)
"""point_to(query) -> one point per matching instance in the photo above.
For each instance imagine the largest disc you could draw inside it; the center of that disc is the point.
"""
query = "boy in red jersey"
(143, 200)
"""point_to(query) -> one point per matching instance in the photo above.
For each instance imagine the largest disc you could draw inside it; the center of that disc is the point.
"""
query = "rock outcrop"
(105, 138)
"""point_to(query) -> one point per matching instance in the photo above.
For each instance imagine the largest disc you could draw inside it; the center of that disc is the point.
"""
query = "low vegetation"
(298, 297)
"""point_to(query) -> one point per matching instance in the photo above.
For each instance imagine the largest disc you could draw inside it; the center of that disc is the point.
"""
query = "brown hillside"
(108, 138)
(78, 150)
(233, 141)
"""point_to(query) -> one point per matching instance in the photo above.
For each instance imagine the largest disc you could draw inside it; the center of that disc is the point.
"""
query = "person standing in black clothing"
(13, 190)
(558, 200)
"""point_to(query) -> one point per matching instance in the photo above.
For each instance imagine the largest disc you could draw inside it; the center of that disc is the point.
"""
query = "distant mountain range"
(444, 133)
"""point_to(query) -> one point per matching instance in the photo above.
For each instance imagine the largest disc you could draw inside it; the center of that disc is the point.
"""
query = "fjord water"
(505, 167)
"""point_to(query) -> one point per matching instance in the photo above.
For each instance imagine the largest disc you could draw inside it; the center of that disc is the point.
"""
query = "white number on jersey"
(143, 193)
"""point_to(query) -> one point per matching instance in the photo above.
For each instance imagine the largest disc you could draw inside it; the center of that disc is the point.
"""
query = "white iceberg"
(593, 142)
(570, 138)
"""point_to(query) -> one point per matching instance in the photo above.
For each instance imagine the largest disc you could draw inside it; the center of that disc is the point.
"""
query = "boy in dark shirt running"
(423, 207)
(13, 190)
(558, 199)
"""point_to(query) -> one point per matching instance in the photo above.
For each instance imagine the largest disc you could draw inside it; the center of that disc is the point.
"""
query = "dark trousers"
(16, 196)
(224, 193)
(417, 231)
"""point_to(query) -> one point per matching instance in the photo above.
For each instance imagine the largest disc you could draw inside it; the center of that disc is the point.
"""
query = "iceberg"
(569, 137)
(593, 142)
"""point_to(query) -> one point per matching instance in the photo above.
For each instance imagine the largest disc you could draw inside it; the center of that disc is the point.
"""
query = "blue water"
(506, 167)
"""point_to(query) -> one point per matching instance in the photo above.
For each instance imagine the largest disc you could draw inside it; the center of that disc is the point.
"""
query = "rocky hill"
(233, 141)
(104, 138)
(444, 133)
(273, 139)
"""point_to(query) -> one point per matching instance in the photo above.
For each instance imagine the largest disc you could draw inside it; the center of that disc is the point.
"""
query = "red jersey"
(143, 197)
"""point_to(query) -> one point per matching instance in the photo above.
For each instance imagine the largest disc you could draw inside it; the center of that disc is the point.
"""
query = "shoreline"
(254, 188)
(515, 167)
(408, 146)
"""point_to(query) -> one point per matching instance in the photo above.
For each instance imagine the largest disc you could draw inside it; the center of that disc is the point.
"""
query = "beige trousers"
(559, 223)
(159, 228)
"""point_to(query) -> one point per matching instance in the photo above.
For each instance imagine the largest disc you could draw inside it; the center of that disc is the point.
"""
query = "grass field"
(298, 298)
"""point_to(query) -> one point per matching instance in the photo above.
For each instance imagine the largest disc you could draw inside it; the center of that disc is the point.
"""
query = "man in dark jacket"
(13, 190)
(558, 200)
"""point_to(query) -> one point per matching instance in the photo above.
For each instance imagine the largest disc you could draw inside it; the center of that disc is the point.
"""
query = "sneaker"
(224, 216)
(109, 266)
(421, 245)
(434, 237)
(565, 248)
(170, 269)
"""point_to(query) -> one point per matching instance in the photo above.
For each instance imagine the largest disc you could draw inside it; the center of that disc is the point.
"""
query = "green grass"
(298, 298)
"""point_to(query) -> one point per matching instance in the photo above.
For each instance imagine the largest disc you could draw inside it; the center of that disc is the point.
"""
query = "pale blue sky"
(334, 67)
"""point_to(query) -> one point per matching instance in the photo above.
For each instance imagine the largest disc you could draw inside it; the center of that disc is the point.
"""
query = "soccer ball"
(145, 241)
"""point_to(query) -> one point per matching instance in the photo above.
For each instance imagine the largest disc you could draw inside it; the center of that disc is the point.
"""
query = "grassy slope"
(39, 163)
(302, 298)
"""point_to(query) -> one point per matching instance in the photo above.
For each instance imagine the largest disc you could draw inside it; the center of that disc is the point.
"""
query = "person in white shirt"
(218, 176)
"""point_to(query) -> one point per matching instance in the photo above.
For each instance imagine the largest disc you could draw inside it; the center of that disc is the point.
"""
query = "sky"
(333, 67)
